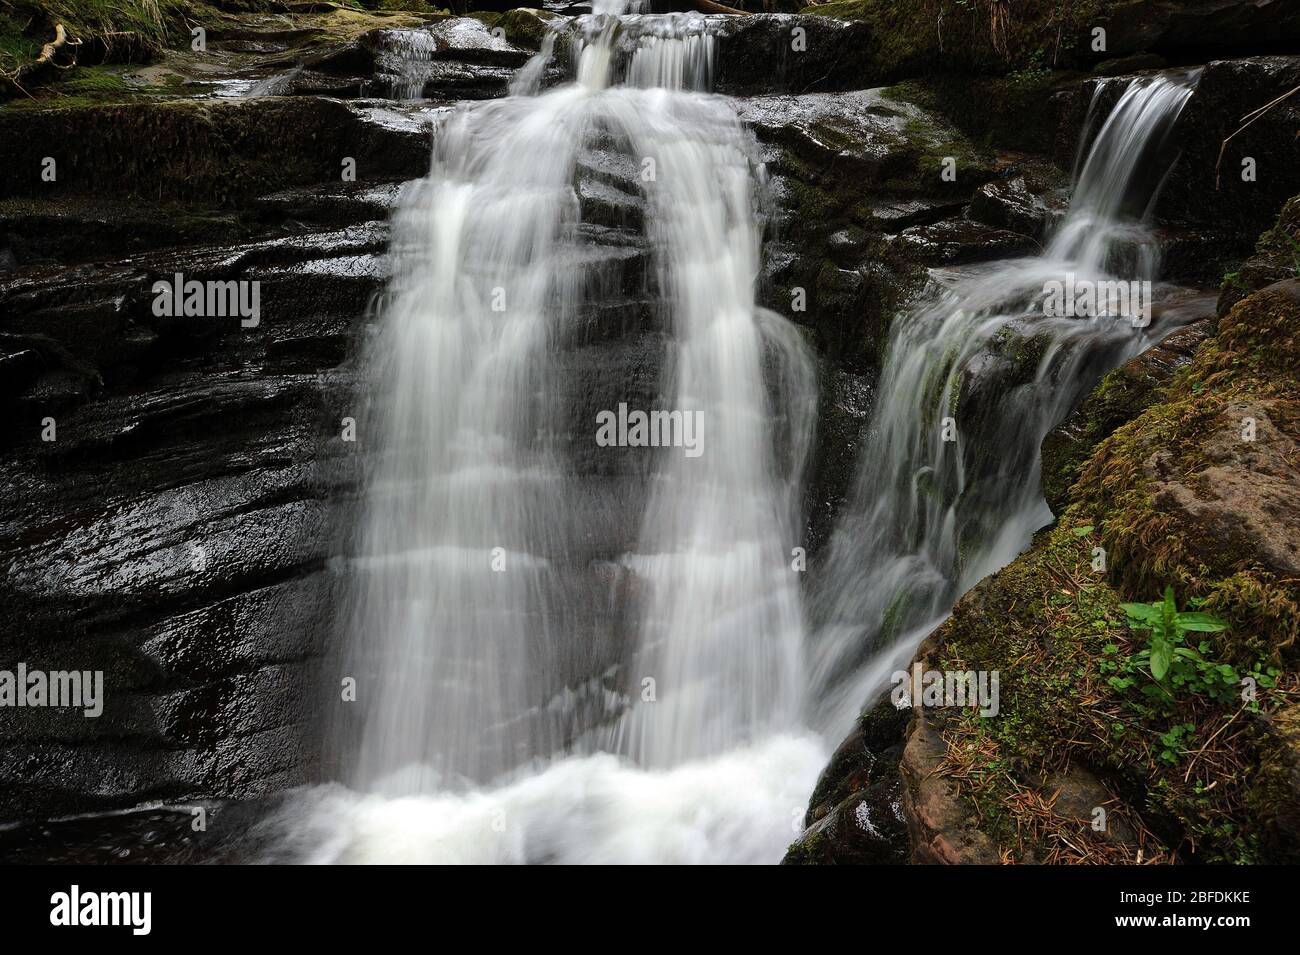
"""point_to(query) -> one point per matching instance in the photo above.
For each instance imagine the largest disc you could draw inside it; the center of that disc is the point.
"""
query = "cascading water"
(472, 583)
(492, 558)
(974, 377)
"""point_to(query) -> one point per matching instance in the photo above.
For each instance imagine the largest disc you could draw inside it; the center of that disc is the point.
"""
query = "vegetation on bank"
(131, 28)
(106, 41)
(101, 32)
(1191, 726)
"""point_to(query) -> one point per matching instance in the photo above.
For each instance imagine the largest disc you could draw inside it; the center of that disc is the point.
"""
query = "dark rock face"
(1021, 204)
(851, 173)
(961, 241)
(855, 813)
(214, 151)
(174, 531)
(1189, 27)
(1206, 191)
(795, 54)
(172, 527)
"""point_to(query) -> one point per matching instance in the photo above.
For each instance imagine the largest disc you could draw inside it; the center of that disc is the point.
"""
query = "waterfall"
(567, 652)
(473, 585)
(974, 376)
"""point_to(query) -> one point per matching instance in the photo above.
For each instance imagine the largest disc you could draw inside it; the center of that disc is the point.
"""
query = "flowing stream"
(935, 509)
(568, 653)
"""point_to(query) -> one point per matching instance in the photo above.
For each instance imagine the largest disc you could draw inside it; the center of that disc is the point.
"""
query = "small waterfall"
(936, 508)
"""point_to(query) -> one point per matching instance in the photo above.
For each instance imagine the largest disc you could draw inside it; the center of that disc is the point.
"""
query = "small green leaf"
(1083, 531)
(1161, 654)
(1203, 622)
(1144, 612)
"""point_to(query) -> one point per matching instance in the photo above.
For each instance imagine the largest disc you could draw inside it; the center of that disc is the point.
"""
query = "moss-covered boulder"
(1202, 490)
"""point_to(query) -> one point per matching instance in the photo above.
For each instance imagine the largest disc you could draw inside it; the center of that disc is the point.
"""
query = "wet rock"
(459, 58)
(961, 241)
(869, 753)
(855, 812)
(866, 829)
(218, 152)
(1023, 204)
(771, 53)
(72, 229)
(175, 533)
(893, 215)
(845, 169)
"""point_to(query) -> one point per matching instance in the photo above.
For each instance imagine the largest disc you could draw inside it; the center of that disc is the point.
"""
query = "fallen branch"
(1248, 119)
(43, 62)
(708, 6)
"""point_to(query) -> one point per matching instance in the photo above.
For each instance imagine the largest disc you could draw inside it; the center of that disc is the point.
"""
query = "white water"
(931, 517)
(466, 717)
(471, 746)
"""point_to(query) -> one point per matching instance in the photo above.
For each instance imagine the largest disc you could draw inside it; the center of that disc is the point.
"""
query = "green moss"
(1046, 623)
(16, 46)
(1254, 358)
(141, 24)
(814, 849)
(1277, 256)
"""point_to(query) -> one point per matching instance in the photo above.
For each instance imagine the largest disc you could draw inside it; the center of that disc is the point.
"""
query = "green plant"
(1176, 741)
(1174, 666)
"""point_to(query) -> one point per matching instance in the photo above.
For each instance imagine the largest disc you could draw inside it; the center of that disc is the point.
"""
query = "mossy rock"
(1119, 397)
(522, 26)
(1277, 257)
(1178, 492)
